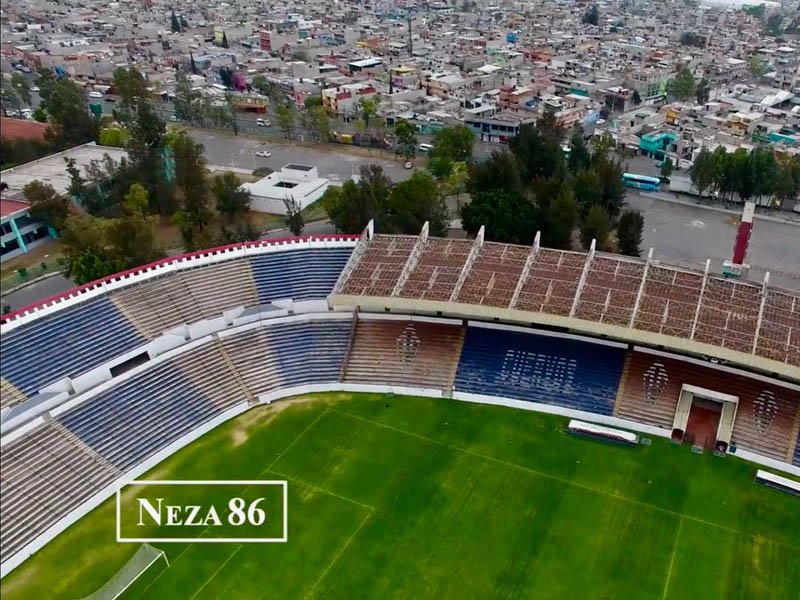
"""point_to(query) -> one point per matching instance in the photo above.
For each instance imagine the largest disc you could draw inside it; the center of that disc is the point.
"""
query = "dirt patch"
(263, 415)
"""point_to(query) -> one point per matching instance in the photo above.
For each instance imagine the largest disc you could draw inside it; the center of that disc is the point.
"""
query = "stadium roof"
(638, 300)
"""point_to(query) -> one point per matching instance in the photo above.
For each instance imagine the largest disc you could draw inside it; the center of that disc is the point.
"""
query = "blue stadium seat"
(66, 344)
(139, 417)
(298, 274)
(548, 370)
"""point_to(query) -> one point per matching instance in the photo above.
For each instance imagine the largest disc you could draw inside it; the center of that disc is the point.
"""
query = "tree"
(774, 25)
(498, 172)
(113, 136)
(175, 25)
(77, 184)
(261, 85)
(538, 148)
(440, 167)
(21, 87)
(703, 90)
(190, 176)
(682, 86)
(406, 139)
(72, 125)
(702, 171)
(636, 98)
(595, 226)
(609, 172)
(294, 216)
(224, 40)
(300, 55)
(146, 131)
(414, 201)
(559, 219)
(40, 114)
(592, 15)
(318, 124)
(232, 200)
(46, 81)
(688, 38)
(46, 203)
(666, 167)
(369, 110)
(312, 102)
(588, 190)
(351, 206)
(579, 158)
(454, 142)
(188, 101)
(508, 216)
(286, 115)
(629, 233)
(84, 244)
(757, 67)
(131, 239)
(131, 86)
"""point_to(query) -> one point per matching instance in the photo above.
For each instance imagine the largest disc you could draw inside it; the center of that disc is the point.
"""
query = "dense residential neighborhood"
(699, 100)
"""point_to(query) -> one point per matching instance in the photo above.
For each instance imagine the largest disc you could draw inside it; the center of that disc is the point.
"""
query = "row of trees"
(164, 176)
(748, 175)
(536, 187)
(533, 186)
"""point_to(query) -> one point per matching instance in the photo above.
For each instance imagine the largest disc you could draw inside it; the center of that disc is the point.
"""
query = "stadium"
(420, 396)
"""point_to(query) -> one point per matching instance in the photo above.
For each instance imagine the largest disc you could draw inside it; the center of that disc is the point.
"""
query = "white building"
(300, 183)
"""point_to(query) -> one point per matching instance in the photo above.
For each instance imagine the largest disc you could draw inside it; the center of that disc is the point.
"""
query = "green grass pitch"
(400, 497)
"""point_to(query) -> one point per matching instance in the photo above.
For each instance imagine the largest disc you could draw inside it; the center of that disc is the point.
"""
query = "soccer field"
(400, 497)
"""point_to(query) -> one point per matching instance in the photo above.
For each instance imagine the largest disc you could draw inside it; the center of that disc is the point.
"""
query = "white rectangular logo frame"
(282, 483)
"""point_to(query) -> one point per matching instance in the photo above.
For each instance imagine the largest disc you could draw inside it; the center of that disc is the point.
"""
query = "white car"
(26, 113)
(408, 164)
(35, 88)
(95, 95)
(263, 153)
(426, 147)
(263, 122)
(173, 118)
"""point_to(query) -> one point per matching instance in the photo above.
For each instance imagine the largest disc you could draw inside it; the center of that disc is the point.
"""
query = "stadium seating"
(765, 416)
(133, 420)
(58, 466)
(298, 274)
(643, 395)
(45, 475)
(544, 369)
(404, 353)
(65, 344)
(288, 354)
(796, 459)
(160, 304)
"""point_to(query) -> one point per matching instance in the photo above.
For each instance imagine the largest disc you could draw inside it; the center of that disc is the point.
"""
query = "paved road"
(38, 291)
(689, 235)
(225, 149)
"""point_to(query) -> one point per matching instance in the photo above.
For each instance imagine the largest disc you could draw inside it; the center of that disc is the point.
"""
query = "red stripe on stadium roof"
(171, 259)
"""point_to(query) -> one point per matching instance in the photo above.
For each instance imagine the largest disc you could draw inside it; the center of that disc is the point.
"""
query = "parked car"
(110, 99)
(263, 122)
(426, 147)
(26, 113)
(263, 153)
(408, 164)
(35, 88)
(95, 95)
(173, 118)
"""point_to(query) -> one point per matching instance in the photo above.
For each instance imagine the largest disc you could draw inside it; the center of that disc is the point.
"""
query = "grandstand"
(160, 355)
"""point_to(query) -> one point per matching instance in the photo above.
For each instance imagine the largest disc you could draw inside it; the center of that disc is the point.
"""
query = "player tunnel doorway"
(704, 418)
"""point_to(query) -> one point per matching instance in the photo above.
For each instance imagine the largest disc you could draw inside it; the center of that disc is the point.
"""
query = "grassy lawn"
(400, 497)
